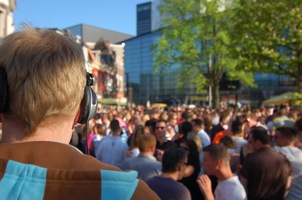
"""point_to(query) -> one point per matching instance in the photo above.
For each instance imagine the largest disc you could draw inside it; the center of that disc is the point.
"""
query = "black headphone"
(89, 103)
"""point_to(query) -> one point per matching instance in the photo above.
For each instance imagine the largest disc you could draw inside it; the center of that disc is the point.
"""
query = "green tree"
(196, 38)
(267, 37)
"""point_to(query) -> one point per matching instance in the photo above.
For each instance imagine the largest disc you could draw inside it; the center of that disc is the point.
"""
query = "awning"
(287, 97)
(161, 105)
(111, 101)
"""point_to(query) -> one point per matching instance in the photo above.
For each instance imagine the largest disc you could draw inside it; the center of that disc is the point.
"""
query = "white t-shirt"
(230, 189)
(204, 137)
(294, 155)
(239, 142)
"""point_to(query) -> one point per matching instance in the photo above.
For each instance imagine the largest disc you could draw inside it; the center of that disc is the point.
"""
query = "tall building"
(143, 18)
(147, 17)
(144, 85)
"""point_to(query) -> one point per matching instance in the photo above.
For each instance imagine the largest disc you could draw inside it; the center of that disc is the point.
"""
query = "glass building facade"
(143, 84)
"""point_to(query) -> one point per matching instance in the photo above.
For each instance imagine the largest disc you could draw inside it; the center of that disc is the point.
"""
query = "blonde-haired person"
(99, 133)
(145, 163)
(46, 79)
(133, 150)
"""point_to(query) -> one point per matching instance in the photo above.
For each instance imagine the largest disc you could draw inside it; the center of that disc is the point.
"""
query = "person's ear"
(152, 149)
(218, 164)
(179, 166)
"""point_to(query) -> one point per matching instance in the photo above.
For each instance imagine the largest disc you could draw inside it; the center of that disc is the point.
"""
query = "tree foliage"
(196, 38)
(267, 37)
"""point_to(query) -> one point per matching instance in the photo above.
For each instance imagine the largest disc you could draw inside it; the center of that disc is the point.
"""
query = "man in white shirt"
(217, 162)
(198, 128)
(285, 139)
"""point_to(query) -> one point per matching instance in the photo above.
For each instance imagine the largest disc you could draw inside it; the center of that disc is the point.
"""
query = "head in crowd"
(207, 119)
(216, 156)
(251, 120)
(224, 118)
(104, 118)
(174, 160)
(172, 119)
(115, 126)
(161, 129)
(46, 77)
(286, 136)
(228, 142)
(164, 116)
(138, 131)
(258, 137)
(197, 124)
(97, 118)
(100, 129)
(282, 111)
(146, 143)
(186, 127)
(237, 127)
(151, 124)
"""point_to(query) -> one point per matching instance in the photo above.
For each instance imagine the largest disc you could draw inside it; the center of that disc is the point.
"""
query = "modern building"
(148, 17)
(143, 18)
(143, 84)
(93, 34)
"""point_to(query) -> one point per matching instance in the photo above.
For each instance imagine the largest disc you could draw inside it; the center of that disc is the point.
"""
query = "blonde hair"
(45, 74)
(145, 142)
(138, 131)
(195, 137)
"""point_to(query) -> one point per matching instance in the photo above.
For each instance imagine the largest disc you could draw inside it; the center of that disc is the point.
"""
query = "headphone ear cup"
(88, 105)
(3, 91)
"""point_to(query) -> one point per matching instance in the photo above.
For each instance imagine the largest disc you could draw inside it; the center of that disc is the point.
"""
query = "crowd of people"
(136, 153)
(231, 153)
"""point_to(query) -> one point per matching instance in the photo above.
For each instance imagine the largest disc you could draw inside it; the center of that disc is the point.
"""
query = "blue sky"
(115, 15)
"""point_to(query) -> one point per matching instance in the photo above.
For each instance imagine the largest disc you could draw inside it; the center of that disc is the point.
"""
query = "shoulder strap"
(118, 185)
(23, 181)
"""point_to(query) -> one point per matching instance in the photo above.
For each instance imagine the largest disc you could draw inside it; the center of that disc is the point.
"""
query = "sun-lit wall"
(6, 17)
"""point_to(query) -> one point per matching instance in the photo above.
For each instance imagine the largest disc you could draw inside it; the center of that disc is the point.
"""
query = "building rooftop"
(93, 34)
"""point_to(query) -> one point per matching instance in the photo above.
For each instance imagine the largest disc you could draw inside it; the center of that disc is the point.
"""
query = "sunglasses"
(160, 127)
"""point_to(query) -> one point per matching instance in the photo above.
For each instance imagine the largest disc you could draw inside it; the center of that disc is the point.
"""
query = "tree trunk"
(299, 78)
(216, 97)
